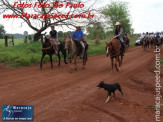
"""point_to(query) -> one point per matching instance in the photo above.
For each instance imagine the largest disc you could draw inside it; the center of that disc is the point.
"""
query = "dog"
(110, 88)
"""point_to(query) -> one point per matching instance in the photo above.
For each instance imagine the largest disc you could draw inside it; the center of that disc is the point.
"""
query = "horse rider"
(78, 36)
(142, 36)
(147, 35)
(158, 36)
(54, 38)
(118, 34)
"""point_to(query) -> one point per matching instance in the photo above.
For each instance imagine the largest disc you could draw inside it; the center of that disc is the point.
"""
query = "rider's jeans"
(55, 44)
(83, 49)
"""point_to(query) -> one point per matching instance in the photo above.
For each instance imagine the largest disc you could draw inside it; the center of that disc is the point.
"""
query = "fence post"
(6, 41)
(25, 40)
(12, 40)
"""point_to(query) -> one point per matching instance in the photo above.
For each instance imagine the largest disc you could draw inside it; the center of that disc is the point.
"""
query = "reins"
(47, 47)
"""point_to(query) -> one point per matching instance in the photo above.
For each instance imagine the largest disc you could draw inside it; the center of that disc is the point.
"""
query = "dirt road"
(60, 96)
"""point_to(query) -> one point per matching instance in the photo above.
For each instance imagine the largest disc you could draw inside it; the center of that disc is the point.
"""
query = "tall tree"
(117, 11)
(96, 31)
(2, 31)
(38, 24)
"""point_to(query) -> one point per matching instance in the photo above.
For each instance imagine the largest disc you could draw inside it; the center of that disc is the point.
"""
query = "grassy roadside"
(22, 55)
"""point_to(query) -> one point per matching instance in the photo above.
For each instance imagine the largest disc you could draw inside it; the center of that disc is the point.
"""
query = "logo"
(17, 112)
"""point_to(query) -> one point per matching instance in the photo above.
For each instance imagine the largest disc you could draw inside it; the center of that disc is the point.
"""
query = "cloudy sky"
(146, 15)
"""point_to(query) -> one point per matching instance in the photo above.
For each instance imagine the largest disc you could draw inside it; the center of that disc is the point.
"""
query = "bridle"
(46, 47)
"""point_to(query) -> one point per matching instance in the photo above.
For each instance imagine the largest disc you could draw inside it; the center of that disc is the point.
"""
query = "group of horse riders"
(151, 38)
(78, 38)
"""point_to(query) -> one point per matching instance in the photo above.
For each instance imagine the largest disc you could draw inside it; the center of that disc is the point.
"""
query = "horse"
(127, 42)
(161, 41)
(74, 51)
(47, 49)
(152, 39)
(145, 43)
(157, 42)
(113, 49)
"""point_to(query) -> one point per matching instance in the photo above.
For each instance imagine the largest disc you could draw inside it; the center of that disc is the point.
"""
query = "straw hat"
(78, 26)
(117, 23)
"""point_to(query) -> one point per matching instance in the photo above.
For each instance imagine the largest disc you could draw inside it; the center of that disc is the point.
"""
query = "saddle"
(79, 46)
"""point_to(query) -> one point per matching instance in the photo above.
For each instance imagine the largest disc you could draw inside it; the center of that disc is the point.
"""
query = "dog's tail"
(119, 88)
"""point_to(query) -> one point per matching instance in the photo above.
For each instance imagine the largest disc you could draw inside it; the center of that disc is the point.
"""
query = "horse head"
(43, 38)
(67, 40)
(45, 41)
(108, 48)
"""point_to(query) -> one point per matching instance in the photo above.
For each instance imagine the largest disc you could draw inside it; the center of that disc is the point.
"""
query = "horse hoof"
(66, 63)
(58, 65)
(40, 68)
(71, 70)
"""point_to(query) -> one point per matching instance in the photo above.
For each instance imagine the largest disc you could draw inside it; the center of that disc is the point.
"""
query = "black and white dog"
(110, 88)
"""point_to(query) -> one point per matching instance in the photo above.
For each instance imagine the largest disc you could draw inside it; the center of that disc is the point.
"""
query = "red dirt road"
(60, 96)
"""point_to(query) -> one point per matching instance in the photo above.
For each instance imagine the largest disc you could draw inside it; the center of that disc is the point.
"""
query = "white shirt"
(142, 35)
(146, 35)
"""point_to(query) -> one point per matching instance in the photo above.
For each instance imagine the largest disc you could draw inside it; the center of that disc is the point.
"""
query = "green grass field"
(22, 55)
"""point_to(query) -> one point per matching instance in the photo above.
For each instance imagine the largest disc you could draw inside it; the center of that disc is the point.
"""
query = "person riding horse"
(54, 38)
(118, 34)
(158, 39)
(78, 37)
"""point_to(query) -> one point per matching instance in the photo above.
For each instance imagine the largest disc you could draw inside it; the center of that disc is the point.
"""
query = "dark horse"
(127, 42)
(145, 43)
(47, 49)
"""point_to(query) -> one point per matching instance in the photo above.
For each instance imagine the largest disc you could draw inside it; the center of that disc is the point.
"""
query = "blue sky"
(146, 15)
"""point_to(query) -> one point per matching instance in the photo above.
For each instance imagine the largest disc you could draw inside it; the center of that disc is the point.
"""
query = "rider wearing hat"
(118, 34)
(78, 35)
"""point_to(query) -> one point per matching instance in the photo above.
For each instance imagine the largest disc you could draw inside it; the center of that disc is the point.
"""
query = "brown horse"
(113, 49)
(74, 51)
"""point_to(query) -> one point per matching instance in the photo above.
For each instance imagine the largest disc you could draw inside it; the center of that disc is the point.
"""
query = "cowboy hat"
(52, 26)
(117, 23)
(78, 26)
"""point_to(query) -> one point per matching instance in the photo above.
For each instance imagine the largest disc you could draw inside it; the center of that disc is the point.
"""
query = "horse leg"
(119, 62)
(51, 60)
(43, 55)
(75, 63)
(72, 61)
(64, 54)
(84, 59)
(116, 59)
(112, 61)
(59, 58)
